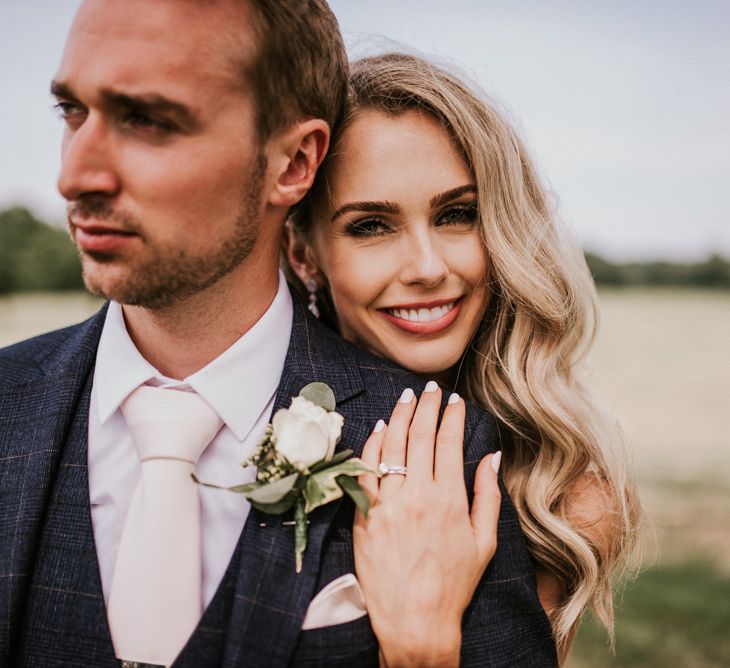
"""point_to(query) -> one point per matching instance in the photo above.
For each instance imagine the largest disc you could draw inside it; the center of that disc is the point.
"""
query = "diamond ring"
(386, 469)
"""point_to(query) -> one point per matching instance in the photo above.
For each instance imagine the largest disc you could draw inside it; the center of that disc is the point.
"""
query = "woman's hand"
(420, 554)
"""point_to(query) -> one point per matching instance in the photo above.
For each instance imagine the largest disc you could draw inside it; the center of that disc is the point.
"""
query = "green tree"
(34, 255)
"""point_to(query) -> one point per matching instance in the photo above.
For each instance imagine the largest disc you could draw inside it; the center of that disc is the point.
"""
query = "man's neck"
(183, 338)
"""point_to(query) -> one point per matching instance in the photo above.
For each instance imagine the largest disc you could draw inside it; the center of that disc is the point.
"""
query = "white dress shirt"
(240, 385)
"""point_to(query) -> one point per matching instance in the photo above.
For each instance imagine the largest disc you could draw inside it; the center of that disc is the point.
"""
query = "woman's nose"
(423, 261)
(87, 162)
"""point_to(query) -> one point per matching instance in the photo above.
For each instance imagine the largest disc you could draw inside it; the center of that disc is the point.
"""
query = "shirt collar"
(239, 384)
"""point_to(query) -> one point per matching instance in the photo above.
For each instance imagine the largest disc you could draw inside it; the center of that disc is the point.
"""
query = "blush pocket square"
(340, 601)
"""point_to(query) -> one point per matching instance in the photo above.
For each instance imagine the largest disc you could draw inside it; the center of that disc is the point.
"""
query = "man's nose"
(424, 261)
(87, 161)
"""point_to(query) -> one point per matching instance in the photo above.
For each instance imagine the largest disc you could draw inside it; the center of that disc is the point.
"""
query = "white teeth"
(421, 314)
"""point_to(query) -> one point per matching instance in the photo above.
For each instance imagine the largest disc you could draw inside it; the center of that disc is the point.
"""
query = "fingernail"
(431, 386)
(496, 461)
(407, 396)
(454, 398)
(379, 426)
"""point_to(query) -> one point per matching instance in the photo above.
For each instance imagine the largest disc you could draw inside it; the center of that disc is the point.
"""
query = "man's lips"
(100, 238)
(424, 317)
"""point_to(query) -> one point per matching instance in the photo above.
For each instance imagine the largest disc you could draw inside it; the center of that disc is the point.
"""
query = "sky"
(625, 105)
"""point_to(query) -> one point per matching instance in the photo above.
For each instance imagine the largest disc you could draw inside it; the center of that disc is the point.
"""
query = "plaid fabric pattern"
(51, 605)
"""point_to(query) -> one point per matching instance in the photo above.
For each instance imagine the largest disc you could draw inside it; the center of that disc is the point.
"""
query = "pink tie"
(155, 599)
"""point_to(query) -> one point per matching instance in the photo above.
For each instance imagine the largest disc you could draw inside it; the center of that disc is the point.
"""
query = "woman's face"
(399, 242)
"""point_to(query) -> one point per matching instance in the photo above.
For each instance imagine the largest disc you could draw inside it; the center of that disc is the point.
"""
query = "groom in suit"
(191, 129)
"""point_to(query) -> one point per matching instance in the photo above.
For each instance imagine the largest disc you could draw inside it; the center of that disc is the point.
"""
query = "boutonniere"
(297, 466)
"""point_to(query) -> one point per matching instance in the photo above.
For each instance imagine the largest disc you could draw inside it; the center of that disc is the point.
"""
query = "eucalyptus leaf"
(243, 489)
(320, 394)
(278, 508)
(353, 489)
(272, 492)
(336, 459)
(322, 487)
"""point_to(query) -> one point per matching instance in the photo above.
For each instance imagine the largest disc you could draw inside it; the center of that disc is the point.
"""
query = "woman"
(429, 240)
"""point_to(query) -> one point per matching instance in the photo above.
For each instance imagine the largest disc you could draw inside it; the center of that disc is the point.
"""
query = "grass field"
(661, 364)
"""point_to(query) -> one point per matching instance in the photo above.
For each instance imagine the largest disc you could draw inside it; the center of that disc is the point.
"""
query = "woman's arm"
(591, 511)
(421, 552)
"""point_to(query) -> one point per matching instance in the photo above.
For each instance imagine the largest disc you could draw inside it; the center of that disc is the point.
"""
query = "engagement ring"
(387, 469)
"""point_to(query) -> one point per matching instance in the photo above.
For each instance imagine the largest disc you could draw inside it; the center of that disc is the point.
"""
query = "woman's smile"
(424, 318)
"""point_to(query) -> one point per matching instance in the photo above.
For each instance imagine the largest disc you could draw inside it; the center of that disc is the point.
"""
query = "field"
(661, 364)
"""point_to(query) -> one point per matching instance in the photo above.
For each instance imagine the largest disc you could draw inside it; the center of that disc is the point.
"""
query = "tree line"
(35, 256)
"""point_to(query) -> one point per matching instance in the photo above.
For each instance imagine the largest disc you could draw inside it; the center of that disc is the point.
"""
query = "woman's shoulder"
(591, 508)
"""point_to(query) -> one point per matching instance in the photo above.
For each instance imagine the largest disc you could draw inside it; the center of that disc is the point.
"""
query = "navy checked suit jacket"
(51, 604)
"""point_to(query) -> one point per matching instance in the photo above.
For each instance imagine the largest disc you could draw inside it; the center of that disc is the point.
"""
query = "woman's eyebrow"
(367, 206)
(447, 196)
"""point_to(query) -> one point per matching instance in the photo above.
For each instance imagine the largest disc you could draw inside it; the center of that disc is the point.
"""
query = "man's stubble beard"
(168, 279)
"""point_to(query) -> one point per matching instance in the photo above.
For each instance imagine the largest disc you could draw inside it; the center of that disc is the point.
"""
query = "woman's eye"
(368, 227)
(464, 214)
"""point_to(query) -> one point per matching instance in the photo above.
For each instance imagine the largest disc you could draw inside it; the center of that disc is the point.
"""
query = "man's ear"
(295, 155)
(300, 255)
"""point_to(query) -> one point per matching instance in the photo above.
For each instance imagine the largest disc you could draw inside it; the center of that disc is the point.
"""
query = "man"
(191, 129)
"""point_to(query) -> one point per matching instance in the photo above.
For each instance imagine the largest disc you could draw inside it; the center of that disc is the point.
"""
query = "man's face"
(161, 166)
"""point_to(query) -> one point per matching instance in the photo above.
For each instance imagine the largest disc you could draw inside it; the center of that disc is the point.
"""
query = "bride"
(428, 239)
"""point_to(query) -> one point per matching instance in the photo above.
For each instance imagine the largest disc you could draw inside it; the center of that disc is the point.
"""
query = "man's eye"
(368, 227)
(463, 214)
(144, 122)
(68, 110)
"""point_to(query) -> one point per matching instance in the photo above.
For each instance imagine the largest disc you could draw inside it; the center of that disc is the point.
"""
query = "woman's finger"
(485, 508)
(449, 468)
(393, 452)
(422, 434)
(371, 456)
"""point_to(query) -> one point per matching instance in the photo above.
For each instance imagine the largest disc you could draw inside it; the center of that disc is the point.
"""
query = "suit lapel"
(39, 414)
(271, 598)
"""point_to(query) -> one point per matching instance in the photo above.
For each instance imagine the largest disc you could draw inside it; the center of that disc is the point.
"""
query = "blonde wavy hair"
(565, 466)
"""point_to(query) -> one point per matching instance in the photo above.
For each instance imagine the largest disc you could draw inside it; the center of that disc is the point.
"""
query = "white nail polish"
(496, 461)
(407, 396)
(431, 386)
(379, 426)
(454, 398)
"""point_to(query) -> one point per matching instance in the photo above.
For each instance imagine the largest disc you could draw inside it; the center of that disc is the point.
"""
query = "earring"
(312, 290)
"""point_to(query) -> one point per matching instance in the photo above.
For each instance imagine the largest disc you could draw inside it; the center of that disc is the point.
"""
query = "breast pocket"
(349, 645)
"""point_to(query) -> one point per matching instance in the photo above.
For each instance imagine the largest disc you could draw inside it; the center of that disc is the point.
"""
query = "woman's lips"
(424, 318)
(96, 238)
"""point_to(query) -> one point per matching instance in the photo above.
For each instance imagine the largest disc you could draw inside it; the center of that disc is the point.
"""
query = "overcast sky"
(625, 104)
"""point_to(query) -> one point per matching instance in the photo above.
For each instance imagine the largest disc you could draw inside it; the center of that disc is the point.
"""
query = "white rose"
(306, 433)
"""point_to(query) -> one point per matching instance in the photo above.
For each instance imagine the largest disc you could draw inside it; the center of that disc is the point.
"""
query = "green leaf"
(249, 486)
(276, 508)
(322, 487)
(355, 492)
(336, 459)
(320, 394)
(300, 533)
(272, 492)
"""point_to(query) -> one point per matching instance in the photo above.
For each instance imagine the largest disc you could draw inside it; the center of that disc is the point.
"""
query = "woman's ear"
(295, 156)
(300, 255)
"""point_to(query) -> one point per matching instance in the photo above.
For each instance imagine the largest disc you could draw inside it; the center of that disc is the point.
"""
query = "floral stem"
(300, 533)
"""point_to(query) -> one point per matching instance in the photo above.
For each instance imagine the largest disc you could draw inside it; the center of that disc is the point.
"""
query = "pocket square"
(340, 601)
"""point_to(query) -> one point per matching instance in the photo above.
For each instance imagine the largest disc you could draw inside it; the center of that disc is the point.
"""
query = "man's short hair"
(300, 66)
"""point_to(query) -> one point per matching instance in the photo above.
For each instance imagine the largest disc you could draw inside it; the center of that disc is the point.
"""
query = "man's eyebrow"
(150, 103)
(60, 89)
(452, 194)
(369, 207)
